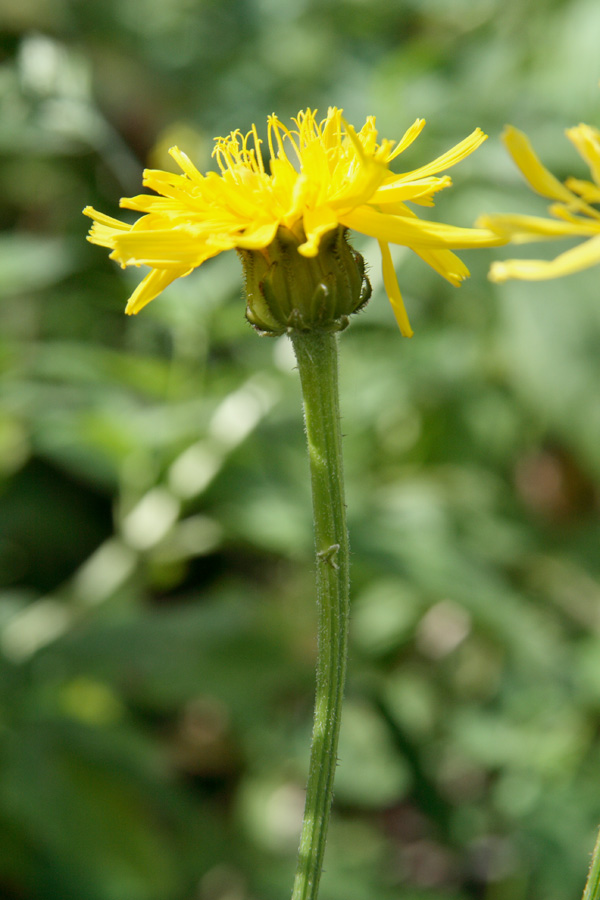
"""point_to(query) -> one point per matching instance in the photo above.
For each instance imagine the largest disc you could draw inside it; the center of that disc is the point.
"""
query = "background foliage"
(157, 639)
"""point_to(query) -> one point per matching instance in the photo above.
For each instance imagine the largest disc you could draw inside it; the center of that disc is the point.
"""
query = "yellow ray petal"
(414, 231)
(362, 187)
(152, 285)
(445, 263)
(580, 257)
(166, 249)
(393, 290)
(586, 190)
(407, 138)
(105, 220)
(257, 236)
(317, 222)
(540, 179)
(103, 235)
(147, 203)
(451, 157)
(167, 183)
(186, 165)
(563, 212)
(521, 229)
(587, 142)
(395, 191)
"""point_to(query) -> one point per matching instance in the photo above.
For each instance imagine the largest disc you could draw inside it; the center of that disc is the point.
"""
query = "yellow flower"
(322, 175)
(573, 212)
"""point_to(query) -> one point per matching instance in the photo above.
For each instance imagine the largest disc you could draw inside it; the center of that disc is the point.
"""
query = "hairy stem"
(592, 887)
(316, 353)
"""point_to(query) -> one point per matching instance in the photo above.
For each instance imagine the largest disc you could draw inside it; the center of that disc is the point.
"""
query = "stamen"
(289, 135)
(257, 144)
(407, 138)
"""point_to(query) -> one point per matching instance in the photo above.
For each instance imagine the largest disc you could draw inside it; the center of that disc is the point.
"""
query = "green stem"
(592, 886)
(316, 353)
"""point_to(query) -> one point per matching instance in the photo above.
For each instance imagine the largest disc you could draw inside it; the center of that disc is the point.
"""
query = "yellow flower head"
(574, 214)
(321, 175)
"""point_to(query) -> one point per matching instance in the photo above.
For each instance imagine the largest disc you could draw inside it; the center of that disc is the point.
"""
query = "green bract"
(286, 291)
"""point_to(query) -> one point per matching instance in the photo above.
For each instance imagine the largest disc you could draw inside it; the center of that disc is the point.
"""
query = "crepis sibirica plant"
(289, 220)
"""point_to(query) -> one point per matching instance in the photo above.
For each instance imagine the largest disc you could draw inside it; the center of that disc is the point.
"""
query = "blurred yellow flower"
(573, 212)
(322, 175)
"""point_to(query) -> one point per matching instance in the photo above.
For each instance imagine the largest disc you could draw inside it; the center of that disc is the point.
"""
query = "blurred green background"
(157, 622)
